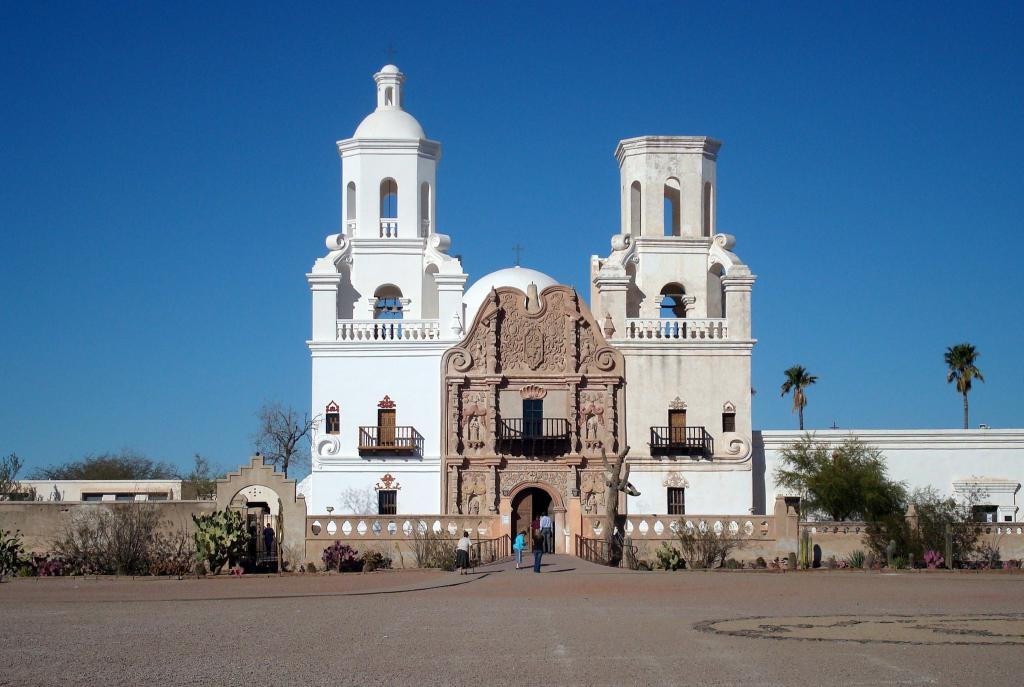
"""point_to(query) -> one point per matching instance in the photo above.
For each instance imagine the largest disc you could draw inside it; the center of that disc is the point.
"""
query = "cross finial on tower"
(518, 249)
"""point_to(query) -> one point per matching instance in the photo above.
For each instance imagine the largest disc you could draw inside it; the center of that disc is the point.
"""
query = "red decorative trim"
(386, 402)
(332, 407)
(389, 483)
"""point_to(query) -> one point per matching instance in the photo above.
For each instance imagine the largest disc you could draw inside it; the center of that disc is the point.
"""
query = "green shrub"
(732, 564)
(760, 562)
(12, 553)
(856, 559)
(374, 560)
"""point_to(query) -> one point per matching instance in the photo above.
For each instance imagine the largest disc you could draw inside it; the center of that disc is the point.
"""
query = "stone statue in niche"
(479, 355)
(474, 489)
(592, 488)
(474, 420)
(592, 423)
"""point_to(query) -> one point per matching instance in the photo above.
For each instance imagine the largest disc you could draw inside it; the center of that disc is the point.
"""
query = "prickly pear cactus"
(220, 538)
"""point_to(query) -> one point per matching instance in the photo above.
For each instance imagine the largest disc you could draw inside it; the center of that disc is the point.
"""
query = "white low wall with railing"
(669, 330)
(388, 330)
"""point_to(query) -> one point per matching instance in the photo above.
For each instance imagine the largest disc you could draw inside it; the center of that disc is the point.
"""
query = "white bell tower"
(389, 169)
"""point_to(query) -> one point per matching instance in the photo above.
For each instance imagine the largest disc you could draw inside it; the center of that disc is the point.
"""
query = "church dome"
(519, 277)
(389, 123)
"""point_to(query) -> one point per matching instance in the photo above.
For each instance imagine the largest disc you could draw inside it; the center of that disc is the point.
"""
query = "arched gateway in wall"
(531, 396)
(266, 496)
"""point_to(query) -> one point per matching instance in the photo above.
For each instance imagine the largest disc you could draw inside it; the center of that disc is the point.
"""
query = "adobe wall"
(40, 522)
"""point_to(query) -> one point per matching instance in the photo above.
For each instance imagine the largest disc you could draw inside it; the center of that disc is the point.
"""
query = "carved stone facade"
(528, 347)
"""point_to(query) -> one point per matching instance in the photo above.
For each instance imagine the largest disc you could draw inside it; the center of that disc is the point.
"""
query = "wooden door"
(522, 517)
(386, 426)
(677, 427)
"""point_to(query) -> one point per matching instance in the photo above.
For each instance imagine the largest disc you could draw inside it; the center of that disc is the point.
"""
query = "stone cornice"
(390, 146)
(646, 145)
(905, 439)
(323, 281)
(674, 348)
(384, 349)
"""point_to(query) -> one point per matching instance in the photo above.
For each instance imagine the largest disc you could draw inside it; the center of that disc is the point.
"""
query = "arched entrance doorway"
(527, 507)
(260, 507)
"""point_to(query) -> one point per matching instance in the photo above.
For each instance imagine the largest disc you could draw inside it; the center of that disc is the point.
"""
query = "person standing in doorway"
(547, 531)
(268, 541)
(538, 550)
(462, 553)
(518, 545)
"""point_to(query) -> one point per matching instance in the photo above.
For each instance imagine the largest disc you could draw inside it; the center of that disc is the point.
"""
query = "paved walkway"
(575, 624)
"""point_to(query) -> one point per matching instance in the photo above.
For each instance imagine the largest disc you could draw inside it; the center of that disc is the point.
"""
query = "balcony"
(540, 437)
(390, 440)
(673, 441)
(388, 330)
(388, 228)
(675, 330)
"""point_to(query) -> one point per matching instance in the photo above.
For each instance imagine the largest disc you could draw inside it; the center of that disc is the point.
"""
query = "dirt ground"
(574, 624)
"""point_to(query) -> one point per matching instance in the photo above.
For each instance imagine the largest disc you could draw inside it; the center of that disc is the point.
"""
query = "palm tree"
(797, 380)
(962, 370)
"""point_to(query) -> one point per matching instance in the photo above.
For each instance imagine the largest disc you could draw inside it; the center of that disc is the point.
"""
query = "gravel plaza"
(574, 624)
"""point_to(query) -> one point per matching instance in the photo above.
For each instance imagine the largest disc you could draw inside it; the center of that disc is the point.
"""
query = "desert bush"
(432, 550)
(732, 564)
(341, 557)
(115, 540)
(704, 548)
(899, 563)
(374, 560)
(760, 562)
(311, 567)
(172, 553)
(856, 559)
(668, 557)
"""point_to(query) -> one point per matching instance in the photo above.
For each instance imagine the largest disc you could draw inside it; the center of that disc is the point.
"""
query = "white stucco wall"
(419, 482)
(707, 493)
(919, 457)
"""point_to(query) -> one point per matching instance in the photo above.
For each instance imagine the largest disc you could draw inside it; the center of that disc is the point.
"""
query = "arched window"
(332, 418)
(635, 208)
(388, 303)
(673, 208)
(350, 206)
(389, 96)
(672, 304)
(388, 198)
(424, 209)
(709, 209)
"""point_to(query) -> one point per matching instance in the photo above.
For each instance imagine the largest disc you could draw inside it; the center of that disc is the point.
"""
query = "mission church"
(499, 399)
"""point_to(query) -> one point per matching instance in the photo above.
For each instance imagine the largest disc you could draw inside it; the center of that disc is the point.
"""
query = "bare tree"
(358, 501)
(283, 435)
(10, 488)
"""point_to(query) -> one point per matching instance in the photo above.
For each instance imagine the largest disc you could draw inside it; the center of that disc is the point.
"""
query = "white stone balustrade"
(669, 330)
(388, 330)
(388, 228)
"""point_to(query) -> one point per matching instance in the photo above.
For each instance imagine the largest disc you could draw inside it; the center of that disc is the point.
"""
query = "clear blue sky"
(168, 175)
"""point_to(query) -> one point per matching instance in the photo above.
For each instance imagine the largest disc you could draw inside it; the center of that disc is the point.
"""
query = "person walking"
(518, 545)
(538, 550)
(462, 552)
(547, 531)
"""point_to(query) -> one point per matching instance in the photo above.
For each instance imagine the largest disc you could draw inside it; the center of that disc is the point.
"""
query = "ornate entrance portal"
(527, 507)
(533, 395)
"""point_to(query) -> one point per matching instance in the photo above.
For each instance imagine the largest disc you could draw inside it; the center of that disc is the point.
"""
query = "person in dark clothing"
(268, 541)
(538, 550)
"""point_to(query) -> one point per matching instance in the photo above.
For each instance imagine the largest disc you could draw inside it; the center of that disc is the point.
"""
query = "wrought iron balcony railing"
(690, 440)
(533, 437)
(390, 439)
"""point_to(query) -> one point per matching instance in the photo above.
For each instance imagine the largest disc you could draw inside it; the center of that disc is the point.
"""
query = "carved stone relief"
(474, 492)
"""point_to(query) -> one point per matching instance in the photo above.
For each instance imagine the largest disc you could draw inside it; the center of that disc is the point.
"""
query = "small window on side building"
(387, 502)
(676, 501)
(332, 419)
(728, 422)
